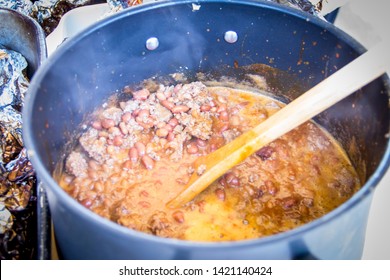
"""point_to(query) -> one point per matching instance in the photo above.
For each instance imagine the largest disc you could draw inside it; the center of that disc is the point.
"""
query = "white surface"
(366, 21)
(73, 22)
(369, 22)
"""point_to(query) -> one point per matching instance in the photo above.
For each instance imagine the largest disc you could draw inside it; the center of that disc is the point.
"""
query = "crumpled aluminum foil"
(303, 5)
(17, 177)
(12, 65)
(117, 5)
(5, 219)
(23, 6)
(47, 13)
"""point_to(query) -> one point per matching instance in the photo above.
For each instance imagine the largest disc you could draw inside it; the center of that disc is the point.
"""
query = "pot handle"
(303, 252)
(306, 256)
(43, 224)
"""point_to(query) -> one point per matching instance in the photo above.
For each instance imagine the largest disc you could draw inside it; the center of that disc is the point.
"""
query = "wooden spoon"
(347, 80)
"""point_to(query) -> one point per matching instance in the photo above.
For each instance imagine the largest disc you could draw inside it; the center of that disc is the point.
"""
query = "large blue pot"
(112, 54)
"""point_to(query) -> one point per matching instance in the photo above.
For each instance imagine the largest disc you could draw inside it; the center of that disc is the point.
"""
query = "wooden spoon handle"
(347, 80)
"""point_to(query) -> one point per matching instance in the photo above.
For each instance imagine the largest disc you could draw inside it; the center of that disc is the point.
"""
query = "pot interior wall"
(87, 69)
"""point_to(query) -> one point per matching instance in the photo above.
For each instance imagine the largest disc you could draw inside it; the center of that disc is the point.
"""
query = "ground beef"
(76, 164)
(113, 113)
(162, 114)
(159, 224)
(196, 124)
(94, 145)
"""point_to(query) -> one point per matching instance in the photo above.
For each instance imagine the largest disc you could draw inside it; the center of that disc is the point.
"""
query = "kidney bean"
(220, 193)
(107, 123)
(232, 179)
(163, 142)
(223, 128)
(205, 108)
(169, 128)
(222, 181)
(249, 190)
(201, 143)
(258, 193)
(96, 125)
(144, 193)
(126, 117)
(148, 162)
(213, 147)
(201, 204)
(142, 94)
(161, 124)
(140, 121)
(135, 113)
(291, 175)
(180, 109)
(140, 148)
(118, 140)
(171, 136)
(162, 132)
(86, 202)
(173, 122)
(167, 104)
(123, 128)
(143, 114)
(235, 182)
(177, 88)
(224, 116)
(93, 175)
(133, 154)
(178, 216)
(229, 177)
(127, 165)
(289, 202)
(265, 152)
(93, 164)
(192, 148)
(107, 168)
